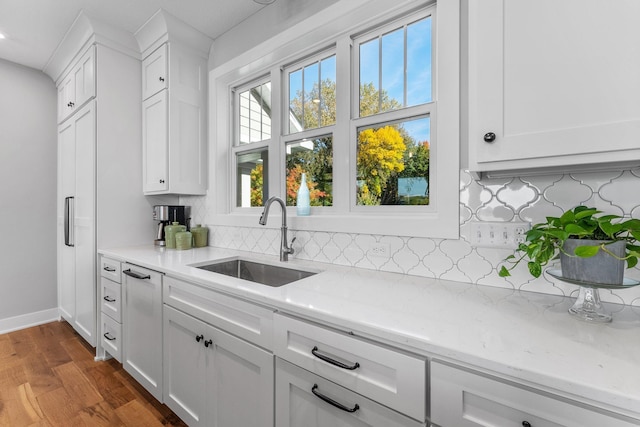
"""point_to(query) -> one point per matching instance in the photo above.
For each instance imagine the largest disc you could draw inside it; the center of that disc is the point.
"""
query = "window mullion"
(345, 110)
(276, 147)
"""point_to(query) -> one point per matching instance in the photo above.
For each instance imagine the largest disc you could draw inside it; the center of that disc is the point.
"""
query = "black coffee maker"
(167, 214)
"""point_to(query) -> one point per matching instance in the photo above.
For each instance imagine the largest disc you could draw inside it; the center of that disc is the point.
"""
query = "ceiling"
(34, 28)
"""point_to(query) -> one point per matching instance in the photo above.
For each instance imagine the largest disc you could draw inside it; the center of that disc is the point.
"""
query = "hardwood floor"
(48, 378)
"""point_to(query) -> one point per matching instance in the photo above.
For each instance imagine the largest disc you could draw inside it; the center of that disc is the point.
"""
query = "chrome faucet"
(285, 249)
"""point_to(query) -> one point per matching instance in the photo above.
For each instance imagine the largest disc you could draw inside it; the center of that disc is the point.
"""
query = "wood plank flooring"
(48, 378)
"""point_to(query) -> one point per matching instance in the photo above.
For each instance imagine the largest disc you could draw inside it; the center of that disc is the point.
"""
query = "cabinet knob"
(207, 343)
(489, 137)
(161, 79)
(526, 424)
(199, 338)
(161, 181)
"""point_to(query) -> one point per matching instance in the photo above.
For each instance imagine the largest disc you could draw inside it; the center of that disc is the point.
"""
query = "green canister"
(184, 240)
(170, 234)
(199, 236)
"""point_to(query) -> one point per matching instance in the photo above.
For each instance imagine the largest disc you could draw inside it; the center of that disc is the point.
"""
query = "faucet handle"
(290, 249)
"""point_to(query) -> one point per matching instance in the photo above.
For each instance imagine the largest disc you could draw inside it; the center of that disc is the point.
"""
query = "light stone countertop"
(524, 336)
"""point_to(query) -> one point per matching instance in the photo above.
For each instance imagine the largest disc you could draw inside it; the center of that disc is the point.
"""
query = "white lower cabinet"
(462, 398)
(142, 327)
(308, 400)
(212, 378)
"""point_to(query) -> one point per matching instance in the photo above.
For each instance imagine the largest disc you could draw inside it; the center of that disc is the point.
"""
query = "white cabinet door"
(155, 148)
(304, 399)
(78, 86)
(76, 195)
(66, 97)
(66, 192)
(85, 222)
(142, 327)
(185, 366)
(463, 398)
(555, 82)
(212, 378)
(154, 72)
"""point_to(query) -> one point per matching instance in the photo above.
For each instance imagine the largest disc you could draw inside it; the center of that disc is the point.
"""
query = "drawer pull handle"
(135, 275)
(109, 299)
(109, 269)
(108, 336)
(333, 402)
(199, 338)
(337, 363)
(207, 343)
(526, 424)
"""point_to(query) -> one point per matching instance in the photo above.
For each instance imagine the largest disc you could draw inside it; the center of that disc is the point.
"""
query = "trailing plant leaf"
(586, 251)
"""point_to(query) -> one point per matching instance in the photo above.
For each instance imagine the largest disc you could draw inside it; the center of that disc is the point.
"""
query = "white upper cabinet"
(174, 94)
(553, 84)
(78, 86)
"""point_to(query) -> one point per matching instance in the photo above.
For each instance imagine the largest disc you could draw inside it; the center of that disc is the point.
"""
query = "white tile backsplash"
(510, 199)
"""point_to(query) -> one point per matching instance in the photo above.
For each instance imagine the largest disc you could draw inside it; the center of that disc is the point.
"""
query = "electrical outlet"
(381, 250)
(498, 234)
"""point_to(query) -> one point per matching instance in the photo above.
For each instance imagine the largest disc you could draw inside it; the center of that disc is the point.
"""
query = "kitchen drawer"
(466, 399)
(111, 269)
(111, 300)
(248, 321)
(300, 403)
(111, 336)
(390, 377)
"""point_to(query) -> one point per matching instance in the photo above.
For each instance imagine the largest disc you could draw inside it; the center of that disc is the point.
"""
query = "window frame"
(334, 26)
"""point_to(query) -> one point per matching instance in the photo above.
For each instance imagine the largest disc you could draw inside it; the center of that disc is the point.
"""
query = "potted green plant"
(583, 242)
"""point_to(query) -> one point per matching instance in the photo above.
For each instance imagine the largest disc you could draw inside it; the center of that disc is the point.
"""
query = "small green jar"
(184, 240)
(170, 234)
(199, 236)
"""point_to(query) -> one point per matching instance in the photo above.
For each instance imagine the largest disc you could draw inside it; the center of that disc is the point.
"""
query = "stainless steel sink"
(266, 274)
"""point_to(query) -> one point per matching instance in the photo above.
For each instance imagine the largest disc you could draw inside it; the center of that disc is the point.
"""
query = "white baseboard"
(23, 321)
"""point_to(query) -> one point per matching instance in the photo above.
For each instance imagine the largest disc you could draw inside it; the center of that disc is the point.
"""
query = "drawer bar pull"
(109, 299)
(337, 363)
(199, 338)
(109, 337)
(109, 269)
(135, 275)
(330, 401)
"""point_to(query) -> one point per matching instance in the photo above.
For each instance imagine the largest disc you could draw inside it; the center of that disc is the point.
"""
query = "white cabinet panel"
(155, 148)
(465, 399)
(154, 72)
(142, 327)
(111, 338)
(566, 96)
(300, 403)
(111, 301)
(77, 278)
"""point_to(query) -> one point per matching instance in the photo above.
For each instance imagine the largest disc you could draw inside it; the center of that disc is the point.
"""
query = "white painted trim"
(28, 320)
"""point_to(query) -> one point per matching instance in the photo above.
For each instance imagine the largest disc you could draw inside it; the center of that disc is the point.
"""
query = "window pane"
(312, 96)
(251, 177)
(395, 69)
(419, 62)
(369, 77)
(393, 163)
(255, 114)
(392, 70)
(315, 158)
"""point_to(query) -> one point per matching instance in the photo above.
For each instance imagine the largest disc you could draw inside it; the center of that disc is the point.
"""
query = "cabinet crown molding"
(164, 27)
(84, 31)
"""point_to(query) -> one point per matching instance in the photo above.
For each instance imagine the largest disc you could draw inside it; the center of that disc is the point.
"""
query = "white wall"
(27, 195)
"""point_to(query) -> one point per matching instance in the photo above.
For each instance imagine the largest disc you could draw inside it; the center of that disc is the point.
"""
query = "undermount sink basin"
(266, 274)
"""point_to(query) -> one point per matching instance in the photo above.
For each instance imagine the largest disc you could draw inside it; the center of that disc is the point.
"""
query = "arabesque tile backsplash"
(528, 199)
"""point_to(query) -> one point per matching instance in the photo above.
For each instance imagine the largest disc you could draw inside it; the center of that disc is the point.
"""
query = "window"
(312, 112)
(358, 102)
